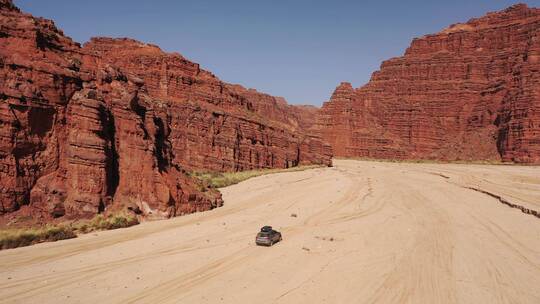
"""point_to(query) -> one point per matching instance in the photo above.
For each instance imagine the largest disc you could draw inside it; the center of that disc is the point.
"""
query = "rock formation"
(88, 130)
(119, 124)
(216, 126)
(470, 92)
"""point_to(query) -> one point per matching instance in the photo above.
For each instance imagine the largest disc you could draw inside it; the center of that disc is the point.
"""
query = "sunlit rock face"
(117, 125)
(469, 92)
(216, 125)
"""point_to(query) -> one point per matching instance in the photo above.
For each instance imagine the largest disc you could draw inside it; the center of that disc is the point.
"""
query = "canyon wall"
(85, 130)
(469, 92)
(215, 125)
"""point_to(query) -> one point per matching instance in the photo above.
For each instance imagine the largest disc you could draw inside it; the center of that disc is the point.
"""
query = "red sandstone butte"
(82, 133)
(470, 92)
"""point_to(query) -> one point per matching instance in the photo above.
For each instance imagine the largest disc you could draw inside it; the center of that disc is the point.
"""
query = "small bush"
(13, 238)
(224, 179)
(100, 222)
(121, 221)
(25, 237)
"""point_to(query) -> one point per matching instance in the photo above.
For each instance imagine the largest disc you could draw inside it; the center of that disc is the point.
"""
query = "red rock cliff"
(470, 92)
(216, 126)
(82, 134)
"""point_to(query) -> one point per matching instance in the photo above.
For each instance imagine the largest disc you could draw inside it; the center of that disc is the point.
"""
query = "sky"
(297, 49)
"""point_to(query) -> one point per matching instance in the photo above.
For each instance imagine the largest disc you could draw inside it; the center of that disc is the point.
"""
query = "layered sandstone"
(83, 134)
(470, 92)
(216, 126)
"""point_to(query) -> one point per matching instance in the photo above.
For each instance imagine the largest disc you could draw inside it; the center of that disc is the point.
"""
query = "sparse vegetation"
(224, 179)
(12, 238)
(19, 237)
(100, 222)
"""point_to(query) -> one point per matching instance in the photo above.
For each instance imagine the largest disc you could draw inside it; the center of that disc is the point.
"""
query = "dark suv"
(268, 236)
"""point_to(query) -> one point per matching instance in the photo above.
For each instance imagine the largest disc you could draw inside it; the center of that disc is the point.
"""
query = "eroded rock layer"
(470, 92)
(215, 125)
(81, 133)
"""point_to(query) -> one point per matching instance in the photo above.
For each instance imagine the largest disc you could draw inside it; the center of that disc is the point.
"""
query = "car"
(267, 236)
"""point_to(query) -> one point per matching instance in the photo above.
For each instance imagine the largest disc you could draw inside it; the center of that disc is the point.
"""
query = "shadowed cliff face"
(470, 92)
(83, 131)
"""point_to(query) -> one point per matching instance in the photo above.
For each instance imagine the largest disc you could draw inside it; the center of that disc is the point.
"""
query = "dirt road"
(365, 232)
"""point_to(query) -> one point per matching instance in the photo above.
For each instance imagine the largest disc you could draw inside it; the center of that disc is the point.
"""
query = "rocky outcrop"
(118, 124)
(215, 125)
(470, 92)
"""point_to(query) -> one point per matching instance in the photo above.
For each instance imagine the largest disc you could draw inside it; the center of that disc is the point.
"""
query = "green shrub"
(100, 222)
(13, 238)
(224, 179)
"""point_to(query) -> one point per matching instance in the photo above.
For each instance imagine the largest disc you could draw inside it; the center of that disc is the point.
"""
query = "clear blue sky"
(297, 49)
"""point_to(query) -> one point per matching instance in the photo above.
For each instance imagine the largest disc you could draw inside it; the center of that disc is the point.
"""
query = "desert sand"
(364, 232)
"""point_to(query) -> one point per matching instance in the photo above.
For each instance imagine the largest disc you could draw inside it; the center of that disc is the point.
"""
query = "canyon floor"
(364, 232)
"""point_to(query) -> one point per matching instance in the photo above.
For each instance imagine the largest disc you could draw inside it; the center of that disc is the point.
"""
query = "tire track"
(426, 268)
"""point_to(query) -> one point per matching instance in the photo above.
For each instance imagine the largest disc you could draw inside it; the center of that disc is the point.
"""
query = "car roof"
(266, 228)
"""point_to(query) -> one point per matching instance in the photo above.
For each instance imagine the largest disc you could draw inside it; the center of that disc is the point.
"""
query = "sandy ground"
(365, 232)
